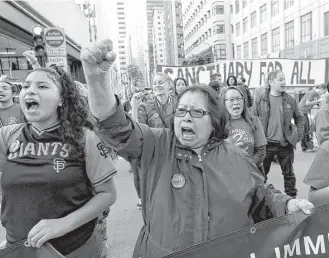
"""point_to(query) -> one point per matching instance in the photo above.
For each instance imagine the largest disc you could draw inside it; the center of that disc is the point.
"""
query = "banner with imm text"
(296, 235)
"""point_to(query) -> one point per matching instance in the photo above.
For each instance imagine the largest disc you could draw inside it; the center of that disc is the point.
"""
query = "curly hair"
(235, 81)
(73, 114)
(218, 113)
(246, 115)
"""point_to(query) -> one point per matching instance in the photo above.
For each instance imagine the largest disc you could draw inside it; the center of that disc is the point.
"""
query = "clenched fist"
(30, 57)
(97, 57)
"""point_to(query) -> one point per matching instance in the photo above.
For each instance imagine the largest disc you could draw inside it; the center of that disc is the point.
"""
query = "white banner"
(297, 72)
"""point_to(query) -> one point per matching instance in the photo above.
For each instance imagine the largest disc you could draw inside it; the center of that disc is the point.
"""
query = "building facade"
(174, 36)
(150, 5)
(159, 43)
(122, 36)
(207, 24)
(16, 21)
(141, 61)
(281, 29)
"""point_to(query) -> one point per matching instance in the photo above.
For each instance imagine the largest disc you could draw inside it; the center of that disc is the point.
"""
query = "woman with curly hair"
(232, 81)
(57, 175)
(244, 129)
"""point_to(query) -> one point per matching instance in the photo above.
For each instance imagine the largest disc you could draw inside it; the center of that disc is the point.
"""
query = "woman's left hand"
(299, 204)
(45, 230)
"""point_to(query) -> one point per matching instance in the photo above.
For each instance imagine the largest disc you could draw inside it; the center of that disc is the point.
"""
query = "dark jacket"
(220, 193)
(247, 94)
(292, 132)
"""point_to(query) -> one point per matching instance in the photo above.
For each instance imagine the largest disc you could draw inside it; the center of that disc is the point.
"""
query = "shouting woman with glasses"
(57, 174)
(244, 129)
(195, 186)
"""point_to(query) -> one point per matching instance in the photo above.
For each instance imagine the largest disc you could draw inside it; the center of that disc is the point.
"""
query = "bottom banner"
(296, 235)
(19, 250)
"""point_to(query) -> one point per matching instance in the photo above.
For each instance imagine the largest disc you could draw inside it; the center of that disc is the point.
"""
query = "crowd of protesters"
(192, 150)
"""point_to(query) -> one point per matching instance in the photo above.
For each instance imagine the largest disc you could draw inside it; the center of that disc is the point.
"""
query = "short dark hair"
(218, 113)
(14, 88)
(215, 85)
(214, 75)
(242, 79)
(235, 81)
(272, 75)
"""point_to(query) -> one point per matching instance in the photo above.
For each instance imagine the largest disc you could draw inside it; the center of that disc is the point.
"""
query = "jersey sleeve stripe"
(104, 179)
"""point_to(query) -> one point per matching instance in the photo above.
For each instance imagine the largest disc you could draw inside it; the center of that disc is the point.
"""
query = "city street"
(125, 220)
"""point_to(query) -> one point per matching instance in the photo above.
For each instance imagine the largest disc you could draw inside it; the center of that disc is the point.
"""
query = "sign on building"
(56, 47)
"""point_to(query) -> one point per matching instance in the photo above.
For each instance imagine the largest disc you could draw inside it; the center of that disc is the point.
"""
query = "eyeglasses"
(237, 100)
(196, 113)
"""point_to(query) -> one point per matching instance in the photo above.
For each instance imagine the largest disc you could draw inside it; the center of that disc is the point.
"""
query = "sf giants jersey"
(40, 180)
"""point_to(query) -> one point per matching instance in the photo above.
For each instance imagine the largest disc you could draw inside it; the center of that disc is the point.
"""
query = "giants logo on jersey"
(59, 164)
(41, 149)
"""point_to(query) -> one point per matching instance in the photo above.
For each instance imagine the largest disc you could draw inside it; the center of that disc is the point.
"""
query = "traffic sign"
(55, 41)
(58, 61)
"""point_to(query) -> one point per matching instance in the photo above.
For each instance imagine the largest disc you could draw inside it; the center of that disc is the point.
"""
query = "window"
(220, 50)
(231, 7)
(275, 7)
(232, 28)
(219, 29)
(289, 34)
(253, 20)
(238, 29)
(160, 45)
(159, 33)
(254, 48)
(238, 52)
(263, 43)
(245, 24)
(218, 9)
(326, 23)
(159, 23)
(244, 3)
(121, 47)
(288, 3)
(276, 39)
(161, 55)
(237, 7)
(246, 50)
(306, 27)
(263, 15)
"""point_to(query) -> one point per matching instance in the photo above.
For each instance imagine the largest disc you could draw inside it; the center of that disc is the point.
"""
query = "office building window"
(231, 6)
(238, 52)
(326, 23)
(263, 43)
(253, 20)
(218, 9)
(244, 3)
(276, 39)
(238, 29)
(263, 15)
(220, 50)
(246, 50)
(237, 7)
(232, 28)
(288, 3)
(275, 7)
(254, 47)
(219, 29)
(245, 25)
(289, 34)
(306, 27)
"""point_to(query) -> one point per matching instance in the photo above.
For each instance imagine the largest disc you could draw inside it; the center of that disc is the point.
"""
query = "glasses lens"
(180, 112)
(196, 113)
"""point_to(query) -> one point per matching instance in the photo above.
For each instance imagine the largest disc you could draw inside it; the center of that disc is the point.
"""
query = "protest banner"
(296, 235)
(298, 72)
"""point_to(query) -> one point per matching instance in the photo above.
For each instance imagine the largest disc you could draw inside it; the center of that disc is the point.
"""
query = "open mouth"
(31, 104)
(188, 133)
(236, 108)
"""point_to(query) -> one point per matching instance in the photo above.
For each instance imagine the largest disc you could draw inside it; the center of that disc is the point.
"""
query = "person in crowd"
(242, 84)
(187, 172)
(244, 129)
(215, 85)
(317, 177)
(157, 112)
(310, 99)
(216, 77)
(231, 81)
(10, 112)
(180, 84)
(56, 168)
(276, 109)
